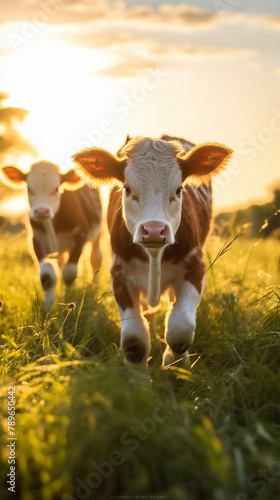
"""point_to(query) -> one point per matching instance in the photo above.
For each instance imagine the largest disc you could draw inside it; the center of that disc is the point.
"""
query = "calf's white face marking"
(152, 200)
(43, 183)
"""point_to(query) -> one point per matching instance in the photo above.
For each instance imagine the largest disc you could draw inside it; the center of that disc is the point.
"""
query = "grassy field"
(89, 427)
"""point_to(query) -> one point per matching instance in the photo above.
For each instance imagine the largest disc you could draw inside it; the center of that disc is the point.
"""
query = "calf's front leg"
(181, 320)
(48, 279)
(48, 275)
(135, 336)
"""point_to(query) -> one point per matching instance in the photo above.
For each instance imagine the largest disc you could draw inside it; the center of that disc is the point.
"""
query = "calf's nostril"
(164, 232)
(144, 231)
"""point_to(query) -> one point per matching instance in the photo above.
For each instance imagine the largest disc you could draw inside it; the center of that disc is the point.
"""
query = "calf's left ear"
(204, 161)
(71, 180)
(13, 176)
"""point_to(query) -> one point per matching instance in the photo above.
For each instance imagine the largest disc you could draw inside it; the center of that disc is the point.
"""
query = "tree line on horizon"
(261, 220)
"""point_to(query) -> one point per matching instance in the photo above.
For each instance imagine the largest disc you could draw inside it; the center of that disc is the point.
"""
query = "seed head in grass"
(71, 306)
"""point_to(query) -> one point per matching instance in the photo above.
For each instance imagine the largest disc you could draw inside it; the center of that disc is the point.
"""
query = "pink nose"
(154, 233)
(42, 212)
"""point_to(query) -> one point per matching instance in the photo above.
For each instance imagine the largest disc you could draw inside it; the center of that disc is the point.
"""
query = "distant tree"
(11, 140)
(276, 200)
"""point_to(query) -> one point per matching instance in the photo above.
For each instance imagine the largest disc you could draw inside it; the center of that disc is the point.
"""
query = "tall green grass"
(90, 426)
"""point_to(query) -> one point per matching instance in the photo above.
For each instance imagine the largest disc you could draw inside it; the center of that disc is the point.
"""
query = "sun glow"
(14, 205)
(55, 82)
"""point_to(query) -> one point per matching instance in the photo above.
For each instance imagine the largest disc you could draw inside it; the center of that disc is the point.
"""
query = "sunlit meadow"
(89, 426)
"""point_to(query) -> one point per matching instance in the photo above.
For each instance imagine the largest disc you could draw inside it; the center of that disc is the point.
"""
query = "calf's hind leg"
(70, 270)
(96, 256)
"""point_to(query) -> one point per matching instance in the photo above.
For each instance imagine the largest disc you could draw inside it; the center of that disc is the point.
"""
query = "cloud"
(166, 56)
(131, 38)
(82, 11)
(125, 69)
(123, 37)
(266, 21)
(188, 49)
(79, 11)
(185, 14)
(95, 24)
(53, 11)
(143, 12)
(271, 22)
(95, 36)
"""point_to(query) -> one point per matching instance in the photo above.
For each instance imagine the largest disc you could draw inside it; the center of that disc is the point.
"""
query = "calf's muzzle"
(153, 234)
(41, 213)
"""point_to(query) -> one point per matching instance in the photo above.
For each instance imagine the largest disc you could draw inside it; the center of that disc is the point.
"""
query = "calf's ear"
(13, 177)
(204, 161)
(97, 166)
(71, 180)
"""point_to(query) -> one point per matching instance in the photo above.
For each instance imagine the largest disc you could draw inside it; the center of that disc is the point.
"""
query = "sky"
(89, 72)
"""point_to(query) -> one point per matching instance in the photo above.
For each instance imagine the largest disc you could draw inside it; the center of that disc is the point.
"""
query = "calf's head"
(153, 174)
(45, 184)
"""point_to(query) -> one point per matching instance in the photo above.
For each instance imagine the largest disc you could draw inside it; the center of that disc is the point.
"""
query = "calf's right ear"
(13, 176)
(97, 166)
(71, 180)
(204, 161)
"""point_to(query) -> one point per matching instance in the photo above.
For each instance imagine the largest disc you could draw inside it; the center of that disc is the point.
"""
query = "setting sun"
(54, 82)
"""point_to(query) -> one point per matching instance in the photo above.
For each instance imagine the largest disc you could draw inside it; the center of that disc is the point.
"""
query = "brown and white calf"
(61, 221)
(158, 226)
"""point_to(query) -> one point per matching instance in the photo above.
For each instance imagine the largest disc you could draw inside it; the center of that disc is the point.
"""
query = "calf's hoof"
(47, 277)
(135, 350)
(69, 273)
(179, 348)
(175, 359)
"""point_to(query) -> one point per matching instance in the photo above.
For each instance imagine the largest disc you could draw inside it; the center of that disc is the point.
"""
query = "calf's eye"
(127, 189)
(179, 190)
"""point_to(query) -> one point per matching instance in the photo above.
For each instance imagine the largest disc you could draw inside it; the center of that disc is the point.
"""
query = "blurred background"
(81, 73)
